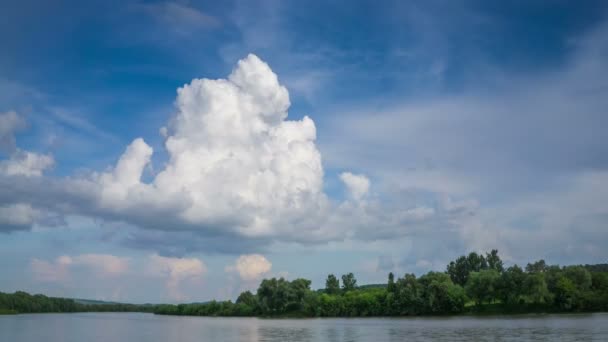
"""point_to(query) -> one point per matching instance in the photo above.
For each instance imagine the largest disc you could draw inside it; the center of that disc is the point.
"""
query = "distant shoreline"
(473, 285)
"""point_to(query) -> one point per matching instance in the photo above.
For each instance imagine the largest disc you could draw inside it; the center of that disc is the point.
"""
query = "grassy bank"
(7, 312)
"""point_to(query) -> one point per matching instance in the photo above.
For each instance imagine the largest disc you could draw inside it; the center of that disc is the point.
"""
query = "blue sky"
(416, 131)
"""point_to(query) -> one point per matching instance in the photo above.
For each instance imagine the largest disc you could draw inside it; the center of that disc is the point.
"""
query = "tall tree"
(349, 282)
(332, 285)
(391, 283)
(494, 262)
(459, 270)
(476, 262)
(537, 267)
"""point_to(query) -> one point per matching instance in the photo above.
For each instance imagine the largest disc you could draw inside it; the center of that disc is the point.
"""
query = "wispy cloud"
(78, 121)
(179, 17)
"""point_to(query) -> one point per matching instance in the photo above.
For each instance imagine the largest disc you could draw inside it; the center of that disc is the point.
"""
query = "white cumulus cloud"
(58, 270)
(357, 185)
(234, 159)
(26, 163)
(250, 267)
(237, 168)
(176, 270)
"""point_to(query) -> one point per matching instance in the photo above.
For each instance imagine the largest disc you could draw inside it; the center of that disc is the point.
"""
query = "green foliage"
(483, 286)
(510, 286)
(408, 296)
(495, 290)
(460, 269)
(332, 285)
(597, 268)
(248, 303)
(536, 290)
(579, 276)
(349, 282)
(23, 302)
(390, 287)
(494, 261)
(439, 295)
(599, 281)
(279, 296)
(537, 267)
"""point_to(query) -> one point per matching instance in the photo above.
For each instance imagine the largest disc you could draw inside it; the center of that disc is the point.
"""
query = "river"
(135, 327)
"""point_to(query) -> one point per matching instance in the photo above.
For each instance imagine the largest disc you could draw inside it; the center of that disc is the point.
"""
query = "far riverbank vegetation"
(472, 284)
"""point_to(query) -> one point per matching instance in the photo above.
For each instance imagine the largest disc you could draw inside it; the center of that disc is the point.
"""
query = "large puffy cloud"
(236, 158)
(176, 270)
(250, 267)
(237, 170)
(236, 166)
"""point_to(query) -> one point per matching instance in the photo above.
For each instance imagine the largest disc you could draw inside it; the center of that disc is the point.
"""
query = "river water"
(135, 327)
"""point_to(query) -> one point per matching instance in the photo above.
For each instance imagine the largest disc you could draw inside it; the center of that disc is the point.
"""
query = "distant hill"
(93, 302)
(103, 302)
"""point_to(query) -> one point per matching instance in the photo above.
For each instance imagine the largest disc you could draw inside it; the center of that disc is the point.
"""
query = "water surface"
(135, 327)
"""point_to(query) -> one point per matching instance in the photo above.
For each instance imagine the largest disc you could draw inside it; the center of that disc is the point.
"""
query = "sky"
(182, 151)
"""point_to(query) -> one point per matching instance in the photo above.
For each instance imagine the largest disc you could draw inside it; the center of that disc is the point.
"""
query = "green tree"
(391, 283)
(332, 285)
(440, 294)
(535, 289)
(494, 262)
(536, 267)
(459, 270)
(566, 293)
(476, 262)
(408, 293)
(249, 299)
(349, 282)
(482, 286)
(580, 277)
(510, 285)
(599, 282)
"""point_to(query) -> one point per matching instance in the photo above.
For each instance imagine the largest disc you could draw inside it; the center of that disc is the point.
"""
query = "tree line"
(473, 283)
(23, 302)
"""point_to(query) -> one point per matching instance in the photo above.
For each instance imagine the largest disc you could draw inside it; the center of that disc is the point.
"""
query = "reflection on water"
(102, 327)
